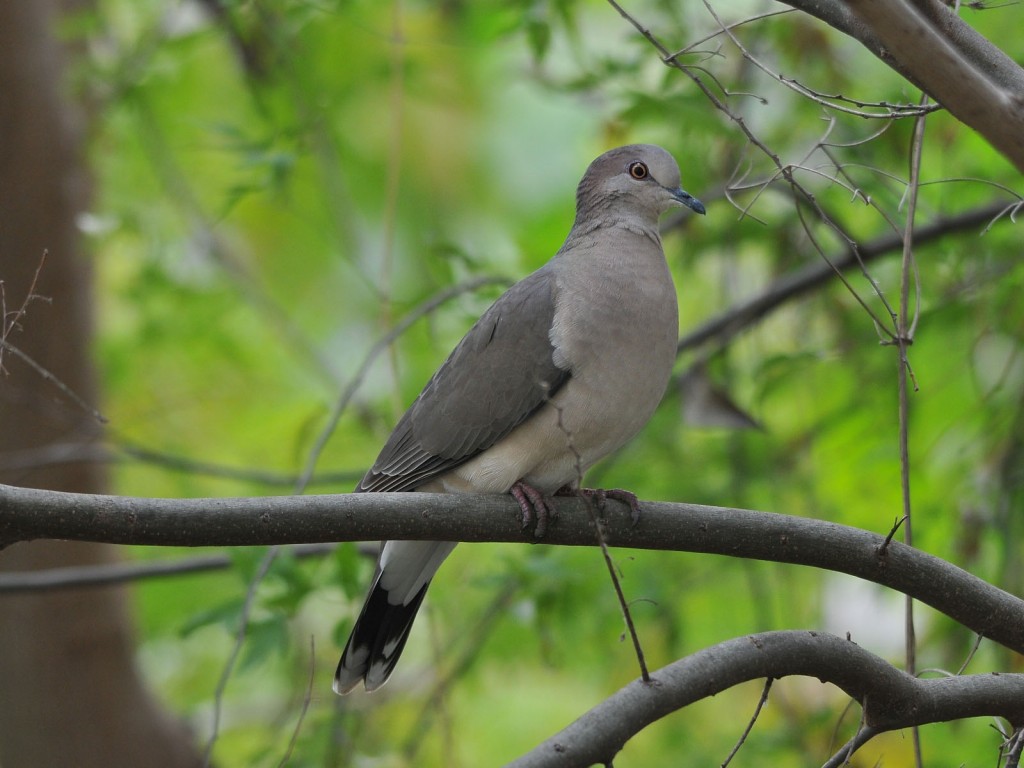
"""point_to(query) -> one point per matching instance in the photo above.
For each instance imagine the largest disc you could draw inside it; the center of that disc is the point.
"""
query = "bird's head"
(642, 179)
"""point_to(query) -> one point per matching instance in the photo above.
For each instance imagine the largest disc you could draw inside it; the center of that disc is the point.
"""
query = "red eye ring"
(638, 170)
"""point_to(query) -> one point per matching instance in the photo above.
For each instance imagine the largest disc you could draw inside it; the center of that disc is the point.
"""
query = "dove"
(563, 369)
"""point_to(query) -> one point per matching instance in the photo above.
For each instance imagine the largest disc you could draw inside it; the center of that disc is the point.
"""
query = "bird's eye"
(638, 170)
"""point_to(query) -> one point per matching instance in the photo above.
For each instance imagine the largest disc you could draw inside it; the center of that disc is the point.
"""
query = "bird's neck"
(591, 228)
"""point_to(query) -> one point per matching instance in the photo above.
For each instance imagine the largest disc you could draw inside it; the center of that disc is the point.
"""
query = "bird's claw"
(533, 504)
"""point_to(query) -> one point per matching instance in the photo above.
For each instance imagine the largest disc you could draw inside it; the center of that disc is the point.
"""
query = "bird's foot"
(601, 495)
(533, 504)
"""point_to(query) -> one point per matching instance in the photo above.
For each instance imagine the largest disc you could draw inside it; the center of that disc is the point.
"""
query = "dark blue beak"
(689, 201)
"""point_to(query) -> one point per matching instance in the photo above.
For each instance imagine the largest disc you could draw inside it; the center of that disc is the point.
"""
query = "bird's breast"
(615, 329)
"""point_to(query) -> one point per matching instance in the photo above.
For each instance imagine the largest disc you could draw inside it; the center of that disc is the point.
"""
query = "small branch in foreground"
(891, 698)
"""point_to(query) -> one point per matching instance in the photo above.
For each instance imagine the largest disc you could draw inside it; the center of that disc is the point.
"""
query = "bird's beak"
(688, 200)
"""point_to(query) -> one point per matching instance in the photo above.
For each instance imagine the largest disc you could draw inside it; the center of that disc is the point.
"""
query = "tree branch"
(724, 326)
(114, 574)
(32, 514)
(941, 54)
(891, 699)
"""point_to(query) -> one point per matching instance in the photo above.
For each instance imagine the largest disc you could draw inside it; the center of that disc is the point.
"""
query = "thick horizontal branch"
(33, 514)
(891, 698)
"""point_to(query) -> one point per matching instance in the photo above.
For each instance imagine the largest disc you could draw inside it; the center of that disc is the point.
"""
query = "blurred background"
(224, 205)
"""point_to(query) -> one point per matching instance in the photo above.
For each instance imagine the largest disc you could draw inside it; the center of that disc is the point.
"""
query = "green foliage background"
(261, 220)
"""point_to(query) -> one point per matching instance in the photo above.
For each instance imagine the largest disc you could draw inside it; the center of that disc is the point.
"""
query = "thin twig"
(627, 615)
(1016, 748)
(753, 719)
(970, 656)
(472, 641)
(904, 338)
(305, 705)
(784, 171)
(9, 321)
(229, 666)
(842, 716)
(892, 532)
(46, 375)
(114, 574)
(890, 112)
(859, 739)
(423, 309)
(380, 346)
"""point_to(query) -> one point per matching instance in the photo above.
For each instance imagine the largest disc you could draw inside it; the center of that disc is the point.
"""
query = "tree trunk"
(71, 692)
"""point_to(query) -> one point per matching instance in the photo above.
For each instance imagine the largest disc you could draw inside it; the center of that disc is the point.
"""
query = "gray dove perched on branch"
(562, 370)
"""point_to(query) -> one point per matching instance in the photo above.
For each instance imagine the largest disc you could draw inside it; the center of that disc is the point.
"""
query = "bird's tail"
(383, 626)
(377, 640)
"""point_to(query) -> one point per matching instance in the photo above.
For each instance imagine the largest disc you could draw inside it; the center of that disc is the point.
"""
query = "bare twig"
(305, 705)
(971, 653)
(236, 649)
(904, 338)
(9, 320)
(882, 551)
(885, 111)
(726, 325)
(120, 450)
(46, 375)
(418, 312)
(627, 615)
(863, 735)
(784, 171)
(750, 724)
(734, 25)
(113, 574)
(1014, 748)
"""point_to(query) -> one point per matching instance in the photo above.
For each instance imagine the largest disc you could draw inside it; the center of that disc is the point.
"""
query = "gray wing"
(499, 374)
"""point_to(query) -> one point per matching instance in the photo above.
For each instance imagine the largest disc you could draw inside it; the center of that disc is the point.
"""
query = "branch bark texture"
(940, 53)
(31, 514)
(891, 699)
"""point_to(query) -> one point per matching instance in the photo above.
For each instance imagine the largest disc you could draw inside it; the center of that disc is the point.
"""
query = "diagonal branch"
(937, 51)
(948, 76)
(726, 325)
